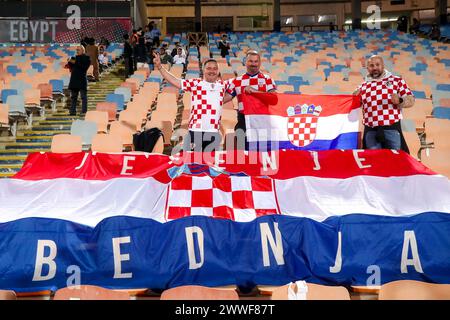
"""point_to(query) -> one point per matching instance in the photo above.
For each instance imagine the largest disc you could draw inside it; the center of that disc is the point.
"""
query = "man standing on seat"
(383, 95)
(207, 98)
(250, 82)
(78, 79)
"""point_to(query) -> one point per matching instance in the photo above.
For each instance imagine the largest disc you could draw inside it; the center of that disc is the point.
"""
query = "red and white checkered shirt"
(206, 103)
(261, 82)
(239, 198)
(378, 110)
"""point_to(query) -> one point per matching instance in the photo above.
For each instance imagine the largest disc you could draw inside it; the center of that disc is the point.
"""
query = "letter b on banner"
(74, 21)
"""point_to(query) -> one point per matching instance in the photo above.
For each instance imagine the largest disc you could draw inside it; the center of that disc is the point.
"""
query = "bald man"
(78, 66)
(383, 96)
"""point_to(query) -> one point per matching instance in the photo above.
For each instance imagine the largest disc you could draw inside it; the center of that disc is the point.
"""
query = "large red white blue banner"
(139, 220)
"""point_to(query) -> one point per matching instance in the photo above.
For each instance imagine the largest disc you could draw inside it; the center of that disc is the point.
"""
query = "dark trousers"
(202, 141)
(240, 129)
(129, 66)
(74, 98)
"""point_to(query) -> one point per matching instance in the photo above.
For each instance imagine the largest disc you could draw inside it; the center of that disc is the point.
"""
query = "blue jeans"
(392, 140)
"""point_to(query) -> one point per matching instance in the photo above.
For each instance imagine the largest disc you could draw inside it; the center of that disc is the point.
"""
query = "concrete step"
(51, 128)
(42, 146)
(36, 139)
(13, 152)
(43, 133)
(4, 175)
(16, 160)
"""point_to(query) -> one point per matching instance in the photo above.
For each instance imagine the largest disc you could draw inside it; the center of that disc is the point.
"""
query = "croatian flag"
(137, 220)
(301, 122)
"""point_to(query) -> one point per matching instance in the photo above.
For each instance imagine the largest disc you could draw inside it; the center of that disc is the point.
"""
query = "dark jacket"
(78, 78)
(127, 50)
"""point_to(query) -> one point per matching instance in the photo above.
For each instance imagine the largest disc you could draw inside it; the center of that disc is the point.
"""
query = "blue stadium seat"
(6, 93)
(118, 99)
(419, 94)
(13, 69)
(57, 85)
(443, 87)
(441, 112)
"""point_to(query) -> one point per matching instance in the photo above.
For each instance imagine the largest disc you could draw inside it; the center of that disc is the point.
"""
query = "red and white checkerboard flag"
(239, 198)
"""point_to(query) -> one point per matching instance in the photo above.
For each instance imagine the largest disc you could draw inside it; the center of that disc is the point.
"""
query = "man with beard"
(383, 95)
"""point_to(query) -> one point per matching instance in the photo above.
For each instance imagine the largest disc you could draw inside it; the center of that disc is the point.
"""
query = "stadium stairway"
(13, 152)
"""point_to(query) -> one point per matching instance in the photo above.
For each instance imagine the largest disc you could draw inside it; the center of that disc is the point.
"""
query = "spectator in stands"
(142, 49)
(252, 81)
(415, 27)
(435, 33)
(332, 28)
(179, 58)
(208, 96)
(104, 42)
(128, 56)
(164, 56)
(78, 66)
(383, 95)
(84, 41)
(92, 52)
(155, 33)
(165, 46)
(175, 50)
(224, 46)
(102, 59)
(148, 38)
(134, 44)
(402, 24)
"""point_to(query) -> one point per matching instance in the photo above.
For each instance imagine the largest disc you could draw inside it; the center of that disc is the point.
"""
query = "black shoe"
(72, 114)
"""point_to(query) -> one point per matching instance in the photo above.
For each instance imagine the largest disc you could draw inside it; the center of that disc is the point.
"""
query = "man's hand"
(156, 60)
(249, 90)
(395, 99)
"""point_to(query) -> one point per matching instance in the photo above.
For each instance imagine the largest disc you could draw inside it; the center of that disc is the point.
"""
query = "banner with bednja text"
(139, 220)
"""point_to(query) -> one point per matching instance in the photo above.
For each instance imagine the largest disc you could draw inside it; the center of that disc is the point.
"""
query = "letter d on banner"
(193, 264)
(74, 21)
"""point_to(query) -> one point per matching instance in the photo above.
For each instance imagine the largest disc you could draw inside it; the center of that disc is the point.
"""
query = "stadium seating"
(198, 293)
(7, 295)
(106, 143)
(414, 290)
(100, 118)
(87, 292)
(66, 143)
(315, 292)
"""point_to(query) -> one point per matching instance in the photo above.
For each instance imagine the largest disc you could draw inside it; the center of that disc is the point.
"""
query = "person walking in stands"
(208, 96)
(92, 52)
(252, 81)
(128, 56)
(134, 44)
(224, 46)
(383, 96)
(78, 67)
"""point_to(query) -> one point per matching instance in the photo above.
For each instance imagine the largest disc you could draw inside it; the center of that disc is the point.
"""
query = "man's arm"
(176, 82)
(406, 101)
(250, 90)
(227, 98)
